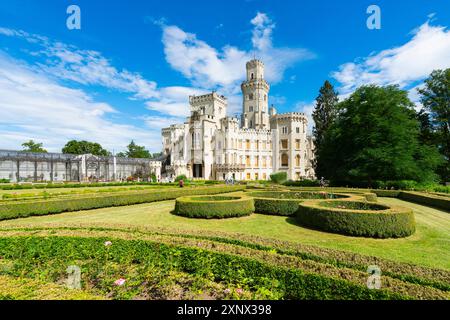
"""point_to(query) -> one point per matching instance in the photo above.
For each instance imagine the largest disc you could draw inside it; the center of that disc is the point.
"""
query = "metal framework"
(19, 166)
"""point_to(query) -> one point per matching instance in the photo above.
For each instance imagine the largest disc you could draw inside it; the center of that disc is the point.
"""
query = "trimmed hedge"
(278, 177)
(214, 207)
(427, 199)
(378, 222)
(12, 210)
(431, 200)
(284, 203)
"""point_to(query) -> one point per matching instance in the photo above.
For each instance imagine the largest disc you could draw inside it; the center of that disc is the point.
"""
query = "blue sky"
(129, 70)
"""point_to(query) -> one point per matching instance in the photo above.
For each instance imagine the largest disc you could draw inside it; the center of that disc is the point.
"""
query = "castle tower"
(255, 92)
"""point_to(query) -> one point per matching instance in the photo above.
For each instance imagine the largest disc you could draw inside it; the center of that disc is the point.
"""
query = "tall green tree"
(376, 137)
(324, 114)
(435, 97)
(135, 151)
(85, 147)
(31, 146)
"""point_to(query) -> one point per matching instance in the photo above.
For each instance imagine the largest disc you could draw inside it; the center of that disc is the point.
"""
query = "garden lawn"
(429, 246)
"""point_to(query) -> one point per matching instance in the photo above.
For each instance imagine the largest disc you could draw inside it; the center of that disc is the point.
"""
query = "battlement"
(294, 116)
(253, 63)
(207, 98)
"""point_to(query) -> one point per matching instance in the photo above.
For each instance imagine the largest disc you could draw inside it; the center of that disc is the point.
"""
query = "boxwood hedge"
(431, 200)
(214, 207)
(12, 210)
(285, 203)
(360, 219)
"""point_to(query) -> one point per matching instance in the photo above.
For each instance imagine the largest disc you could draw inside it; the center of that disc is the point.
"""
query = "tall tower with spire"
(255, 92)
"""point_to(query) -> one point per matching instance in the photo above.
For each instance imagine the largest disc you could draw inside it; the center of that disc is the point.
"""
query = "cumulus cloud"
(428, 49)
(223, 68)
(34, 106)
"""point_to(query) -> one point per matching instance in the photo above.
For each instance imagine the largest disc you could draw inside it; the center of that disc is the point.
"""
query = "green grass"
(429, 246)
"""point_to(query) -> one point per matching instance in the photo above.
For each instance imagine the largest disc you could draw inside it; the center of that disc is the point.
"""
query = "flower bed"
(214, 207)
(355, 218)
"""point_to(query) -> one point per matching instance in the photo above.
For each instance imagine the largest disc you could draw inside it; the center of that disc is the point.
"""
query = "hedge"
(214, 207)
(278, 177)
(292, 283)
(431, 200)
(26, 208)
(427, 199)
(283, 203)
(379, 221)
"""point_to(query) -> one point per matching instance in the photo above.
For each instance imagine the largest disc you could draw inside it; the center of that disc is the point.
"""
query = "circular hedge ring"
(214, 207)
(285, 203)
(356, 218)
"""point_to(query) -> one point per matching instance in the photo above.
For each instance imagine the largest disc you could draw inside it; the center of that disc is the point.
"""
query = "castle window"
(265, 97)
(297, 129)
(250, 109)
(247, 142)
(256, 176)
(284, 160)
(284, 130)
(257, 161)
(284, 144)
(252, 76)
(297, 144)
(250, 96)
(249, 176)
(264, 162)
(251, 124)
(247, 161)
(297, 160)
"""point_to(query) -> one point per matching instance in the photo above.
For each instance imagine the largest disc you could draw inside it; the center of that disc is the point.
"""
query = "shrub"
(431, 200)
(284, 203)
(302, 183)
(181, 177)
(291, 283)
(377, 221)
(214, 207)
(4, 181)
(27, 208)
(278, 177)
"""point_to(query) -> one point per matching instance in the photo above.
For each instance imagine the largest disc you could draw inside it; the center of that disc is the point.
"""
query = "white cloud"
(33, 106)
(87, 67)
(428, 49)
(223, 68)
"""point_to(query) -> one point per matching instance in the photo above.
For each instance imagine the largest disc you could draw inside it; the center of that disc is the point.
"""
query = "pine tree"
(325, 112)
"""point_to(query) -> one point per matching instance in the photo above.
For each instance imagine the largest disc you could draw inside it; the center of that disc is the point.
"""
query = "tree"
(375, 137)
(426, 131)
(85, 147)
(435, 97)
(135, 151)
(31, 146)
(324, 114)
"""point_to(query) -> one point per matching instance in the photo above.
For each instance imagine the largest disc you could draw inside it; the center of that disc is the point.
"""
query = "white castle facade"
(213, 146)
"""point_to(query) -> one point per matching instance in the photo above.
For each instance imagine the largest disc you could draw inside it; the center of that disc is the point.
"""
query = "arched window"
(297, 160)
(252, 76)
(284, 160)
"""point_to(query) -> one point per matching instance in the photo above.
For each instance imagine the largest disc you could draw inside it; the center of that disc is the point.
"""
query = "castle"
(213, 146)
